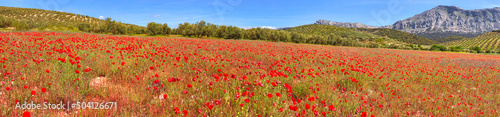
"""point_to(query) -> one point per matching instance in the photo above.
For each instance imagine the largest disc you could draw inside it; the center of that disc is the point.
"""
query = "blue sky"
(249, 13)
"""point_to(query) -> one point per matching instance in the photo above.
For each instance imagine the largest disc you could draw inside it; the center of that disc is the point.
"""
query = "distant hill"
(488, 41)
(316, 29)
(29, 18)
(344, 24)
(450, 39)
(398, 35)
(366, 33)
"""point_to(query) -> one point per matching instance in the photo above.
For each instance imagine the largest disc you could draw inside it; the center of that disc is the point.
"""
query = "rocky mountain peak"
(344, 24)
(451, 19)
(443, 7)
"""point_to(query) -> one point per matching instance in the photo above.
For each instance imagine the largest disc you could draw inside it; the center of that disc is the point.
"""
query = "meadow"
(153, 76)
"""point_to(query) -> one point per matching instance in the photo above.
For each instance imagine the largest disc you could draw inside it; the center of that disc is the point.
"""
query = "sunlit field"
(149, 76)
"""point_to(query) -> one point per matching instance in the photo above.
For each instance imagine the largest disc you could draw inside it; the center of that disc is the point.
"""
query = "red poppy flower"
(87, 70)
(44, 89)
(293, 108)
(216, 102)
(185, 112)
(26, 114)
(311, 98)
(33, 93)
(270, 95)
(210, 106)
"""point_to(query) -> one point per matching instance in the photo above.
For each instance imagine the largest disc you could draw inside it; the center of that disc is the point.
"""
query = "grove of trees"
(203, 29)
(158, 29)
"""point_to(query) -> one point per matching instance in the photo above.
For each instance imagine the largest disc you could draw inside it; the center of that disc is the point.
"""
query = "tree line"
(204, 29)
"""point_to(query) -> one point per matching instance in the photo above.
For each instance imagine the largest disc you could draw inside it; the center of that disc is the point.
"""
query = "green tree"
(166, 30)
(477, 49)
(154, 29)
(85, 27)
(131, 30)
(21, 25)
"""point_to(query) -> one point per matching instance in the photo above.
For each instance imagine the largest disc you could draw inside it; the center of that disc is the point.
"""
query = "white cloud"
(492, 5)
(269, 27)
(156, 15)
(101, 17)
(246, 27)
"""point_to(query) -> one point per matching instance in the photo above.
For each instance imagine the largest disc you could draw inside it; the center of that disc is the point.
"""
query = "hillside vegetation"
(38, 19)
(452, 38)
(398, 35)
(488, 41)
(437, 36)
(203, 29)
(325, 30)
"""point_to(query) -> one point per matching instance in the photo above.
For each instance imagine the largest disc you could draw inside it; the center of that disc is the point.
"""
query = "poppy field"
(149, 76)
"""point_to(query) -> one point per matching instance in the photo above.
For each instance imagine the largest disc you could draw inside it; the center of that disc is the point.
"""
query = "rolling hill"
(325, 30)
(398, 35)
(450, 39)
(362, 33)
(488, 41)
(28, 18)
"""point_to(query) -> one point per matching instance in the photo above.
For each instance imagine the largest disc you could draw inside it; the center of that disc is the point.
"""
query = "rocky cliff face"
(451, 19)
(344, 24)
(440, 22)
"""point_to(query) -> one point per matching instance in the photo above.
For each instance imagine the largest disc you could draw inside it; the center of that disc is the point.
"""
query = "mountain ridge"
(440, 22)
(344, 24)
